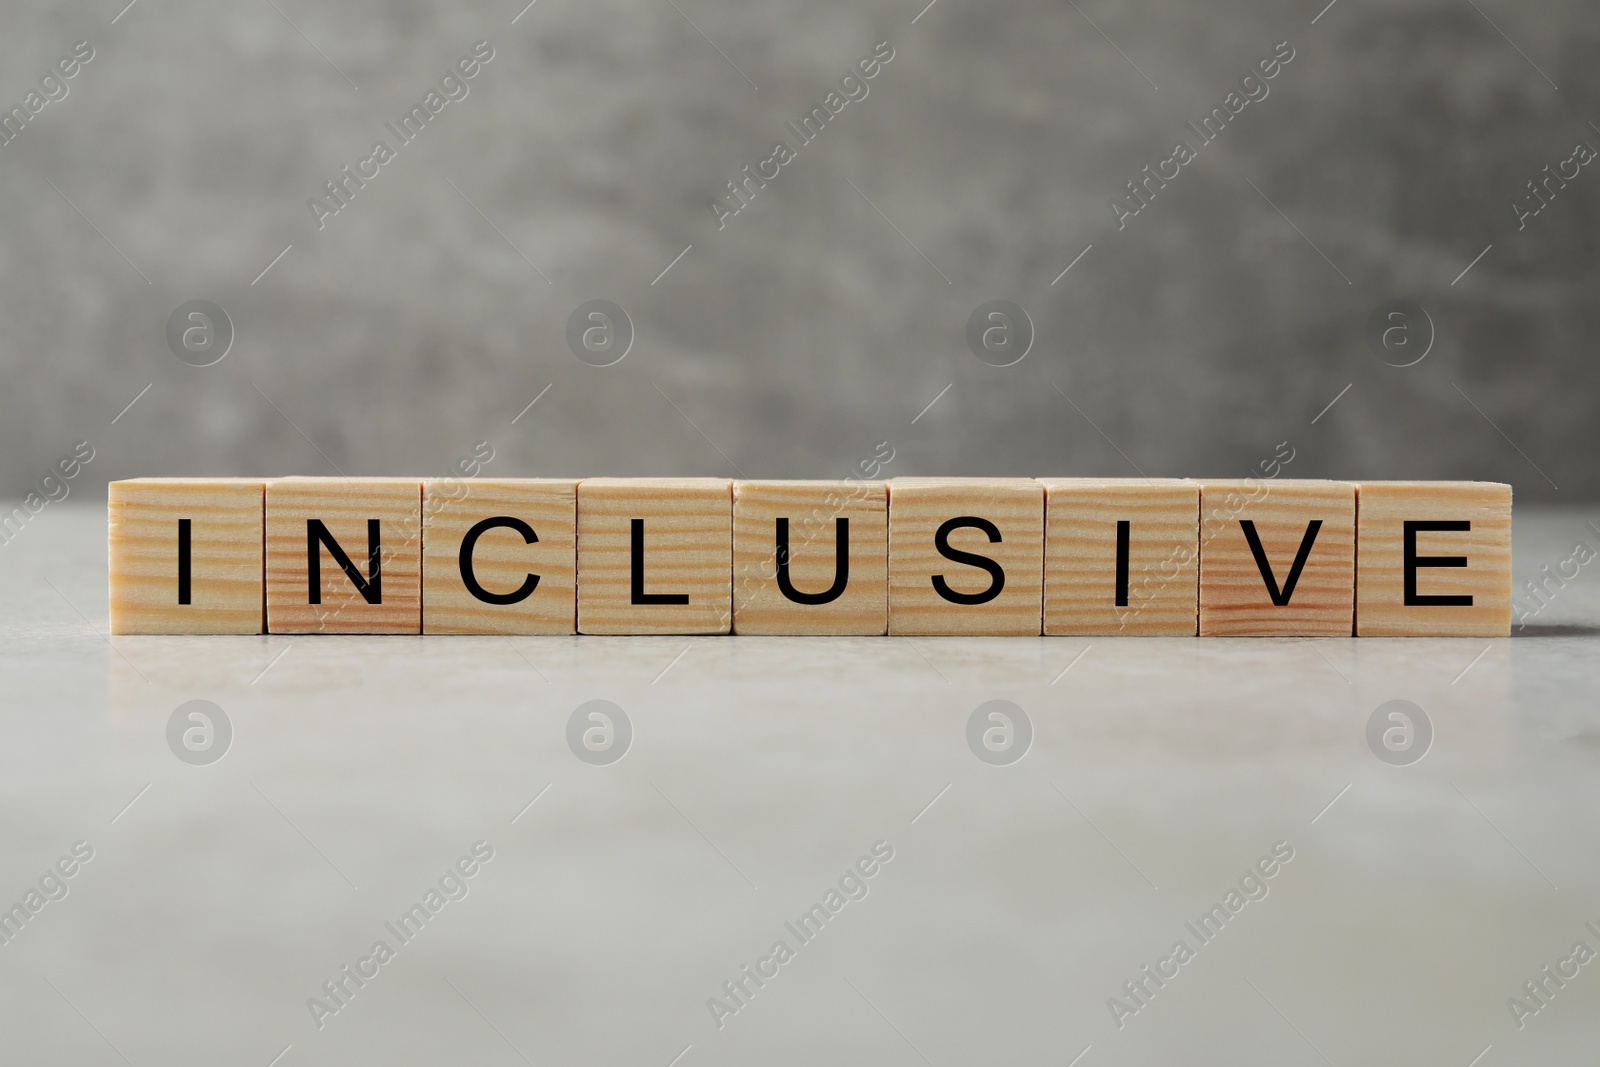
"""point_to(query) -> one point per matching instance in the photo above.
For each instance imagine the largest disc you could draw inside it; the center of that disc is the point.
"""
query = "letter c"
(470, 542)
(762, 971)
(1162, 971)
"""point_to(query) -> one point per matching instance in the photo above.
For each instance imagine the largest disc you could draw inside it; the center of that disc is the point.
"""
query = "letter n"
(370, 587)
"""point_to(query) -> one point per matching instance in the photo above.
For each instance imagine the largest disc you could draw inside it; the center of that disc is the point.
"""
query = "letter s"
(483, 850)
(997, 574)
(83, 50)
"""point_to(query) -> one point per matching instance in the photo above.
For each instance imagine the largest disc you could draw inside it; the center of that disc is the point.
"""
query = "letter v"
(1280, 599)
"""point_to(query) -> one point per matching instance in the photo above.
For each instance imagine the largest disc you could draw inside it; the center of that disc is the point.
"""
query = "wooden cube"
(1277, 558)
(499, 556)
(1122, 556)
(344, 555)
(655, 556)
(185, 556)
(1433, 559)
(810, 557)
(966, 556)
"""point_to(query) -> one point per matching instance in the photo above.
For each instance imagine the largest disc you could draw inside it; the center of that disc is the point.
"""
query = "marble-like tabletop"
(550, 887)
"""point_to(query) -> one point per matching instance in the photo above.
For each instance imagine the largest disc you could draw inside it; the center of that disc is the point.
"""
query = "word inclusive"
(912, 556)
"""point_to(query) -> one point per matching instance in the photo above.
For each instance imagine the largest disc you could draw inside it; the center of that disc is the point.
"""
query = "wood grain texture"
(226, 586)
(1234, 599)
(502, 559)
(688, 550)
(917, 508)
(813, 510)
(1382, 508)
(344, 506)
(1080, 561)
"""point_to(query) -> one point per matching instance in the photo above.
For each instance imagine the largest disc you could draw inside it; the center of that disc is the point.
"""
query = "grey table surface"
(620, 898)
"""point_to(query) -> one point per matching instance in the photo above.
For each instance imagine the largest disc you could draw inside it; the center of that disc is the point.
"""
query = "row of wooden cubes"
(914, 556)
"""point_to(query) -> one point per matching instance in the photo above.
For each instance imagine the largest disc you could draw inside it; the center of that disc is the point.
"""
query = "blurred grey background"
(823, 327)
(830, 315)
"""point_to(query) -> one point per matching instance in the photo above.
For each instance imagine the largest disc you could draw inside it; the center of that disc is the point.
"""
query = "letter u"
(841, 565)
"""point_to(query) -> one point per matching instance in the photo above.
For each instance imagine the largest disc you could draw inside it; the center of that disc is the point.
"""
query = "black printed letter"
(941, 541)
(1122, 563)
(370, 587)
(841, 565)
(183, 561)
(470, 580)
(1413, 561)
(639, 595)
(1280, 599)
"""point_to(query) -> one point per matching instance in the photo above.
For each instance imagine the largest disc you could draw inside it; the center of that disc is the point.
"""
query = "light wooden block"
(682, 580)
(1102, 577)
(1470, 560)
(499, 556)
(218, 589)
(810, 514)
(928, 587)
(1236, 590)
(346, 508)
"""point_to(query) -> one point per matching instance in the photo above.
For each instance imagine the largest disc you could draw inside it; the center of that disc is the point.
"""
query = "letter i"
(183, 561)
(1122, 563)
